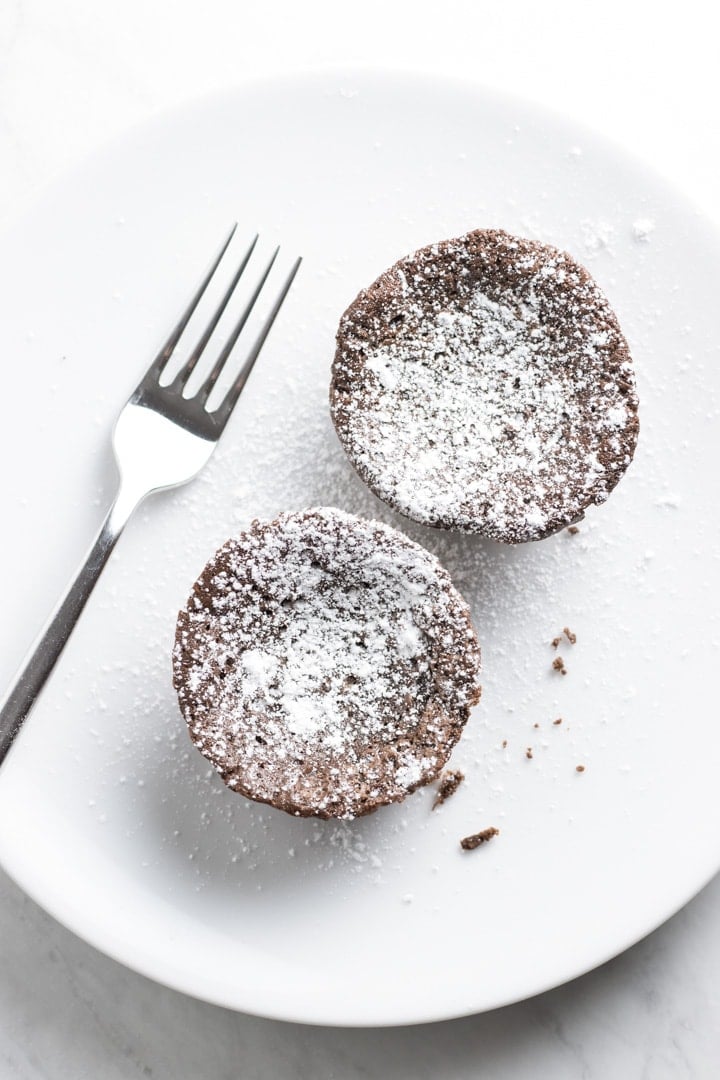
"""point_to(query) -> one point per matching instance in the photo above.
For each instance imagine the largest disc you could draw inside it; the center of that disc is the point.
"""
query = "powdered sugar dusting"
(325, 664)
(484, 399)
(643, 228)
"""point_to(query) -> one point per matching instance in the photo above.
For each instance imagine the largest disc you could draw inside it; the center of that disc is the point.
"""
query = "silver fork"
(161, 440)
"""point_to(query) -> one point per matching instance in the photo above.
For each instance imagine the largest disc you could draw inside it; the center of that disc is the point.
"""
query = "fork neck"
(126, 500)
(128, 497)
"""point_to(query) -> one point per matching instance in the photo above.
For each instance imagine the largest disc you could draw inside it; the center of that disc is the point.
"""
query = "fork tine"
(158, 365)
(227, 404)
(206, 389)
(180, 380)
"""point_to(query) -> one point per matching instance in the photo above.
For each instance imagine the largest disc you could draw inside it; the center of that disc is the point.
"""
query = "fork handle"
(37, 667)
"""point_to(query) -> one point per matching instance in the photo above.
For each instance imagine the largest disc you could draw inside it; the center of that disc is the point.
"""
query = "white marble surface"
(73, 74)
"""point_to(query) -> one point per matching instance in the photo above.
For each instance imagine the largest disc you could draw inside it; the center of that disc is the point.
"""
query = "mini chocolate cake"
(325, 664)
(483, 384)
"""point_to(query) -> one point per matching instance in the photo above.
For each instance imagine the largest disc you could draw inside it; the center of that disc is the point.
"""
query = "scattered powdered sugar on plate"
(484, 384)
(642, 228)
(597, 236)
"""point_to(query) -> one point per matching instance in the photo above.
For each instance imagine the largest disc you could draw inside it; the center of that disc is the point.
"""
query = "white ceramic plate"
(109, 818)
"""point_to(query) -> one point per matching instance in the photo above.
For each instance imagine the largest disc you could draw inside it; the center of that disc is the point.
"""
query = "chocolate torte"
(325, 664)
(484, 384)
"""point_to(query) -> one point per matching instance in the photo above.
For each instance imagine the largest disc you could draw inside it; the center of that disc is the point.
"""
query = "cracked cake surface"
(325, 664)
(483, 384)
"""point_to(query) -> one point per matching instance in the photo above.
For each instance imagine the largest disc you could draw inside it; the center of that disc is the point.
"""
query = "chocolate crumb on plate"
(325, 664)
(573, 530)
(558, 721)
(529, 753)
(483, 384)
(579, 768)
(572, 638)
(559, 665)
(469, 843)
(450, 781)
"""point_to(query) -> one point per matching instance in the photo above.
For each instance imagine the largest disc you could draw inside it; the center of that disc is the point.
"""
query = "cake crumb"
(556, 641)
(572, 638)
(573, 530)
(469, 843)
(504, 744)
(529, 753)
(559, 665)
(558, 721)
(450, 781)
(579, 768)
(536, 725)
